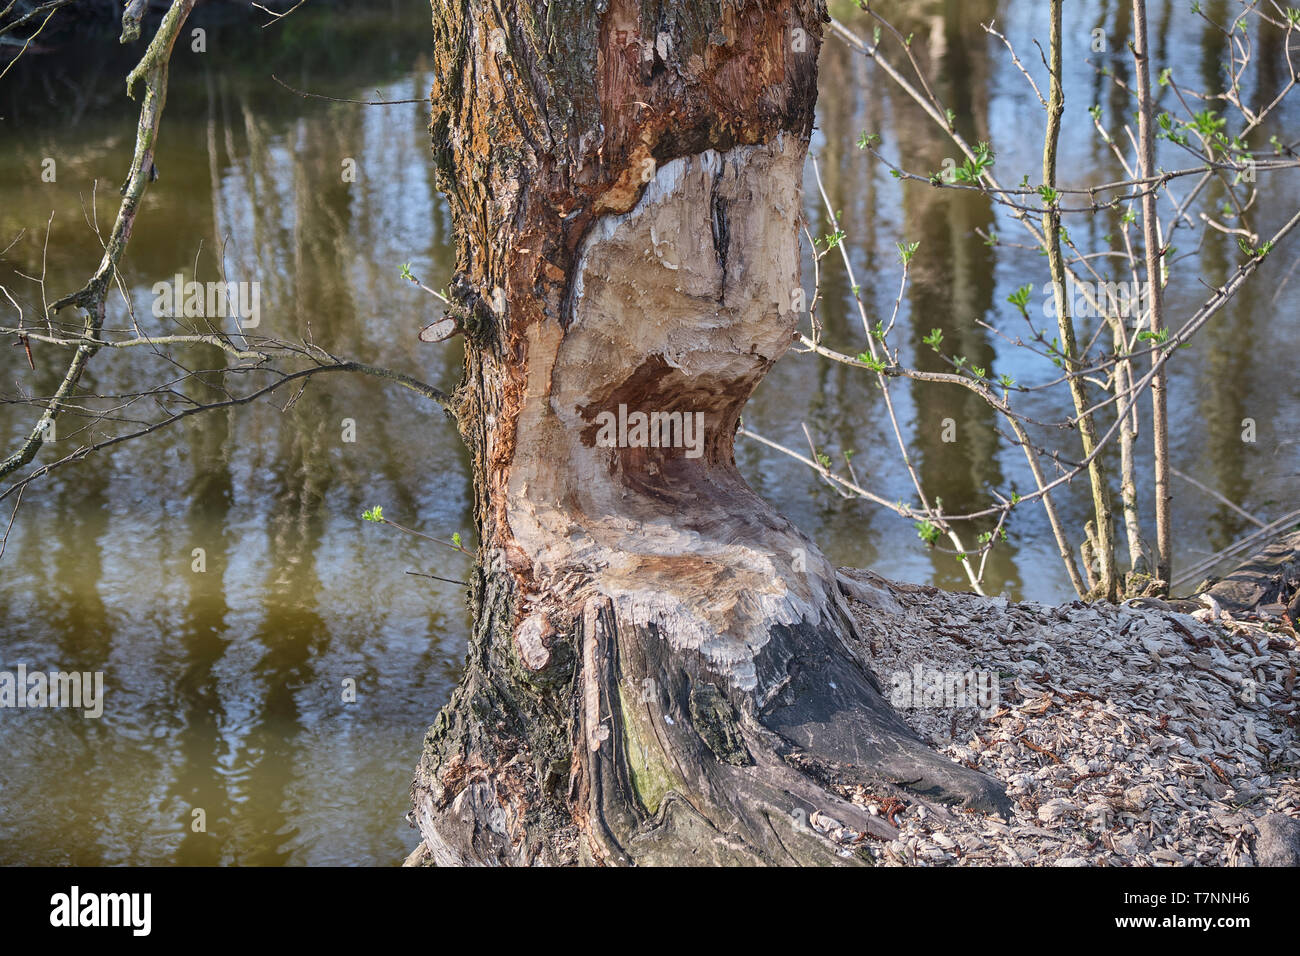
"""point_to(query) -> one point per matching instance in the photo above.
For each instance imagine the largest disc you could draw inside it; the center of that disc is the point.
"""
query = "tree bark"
(1153, 253)
(659, 669)
(1101, 540)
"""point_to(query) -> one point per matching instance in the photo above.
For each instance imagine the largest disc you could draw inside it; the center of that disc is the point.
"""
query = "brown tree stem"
(1155, 292)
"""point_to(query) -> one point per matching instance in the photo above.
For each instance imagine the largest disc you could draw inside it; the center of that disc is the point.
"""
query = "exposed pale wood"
(660, 669)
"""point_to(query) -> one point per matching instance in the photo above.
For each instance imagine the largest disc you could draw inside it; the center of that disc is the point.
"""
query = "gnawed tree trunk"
(658, 670)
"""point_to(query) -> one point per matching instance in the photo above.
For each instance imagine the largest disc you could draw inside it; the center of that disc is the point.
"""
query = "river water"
(226, 735)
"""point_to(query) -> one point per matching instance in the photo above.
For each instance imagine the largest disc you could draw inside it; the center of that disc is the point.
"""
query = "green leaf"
(875, 364)
(1255, 252)
(831, 241)
(1020, 299)
(970, 172)
(1207, 123)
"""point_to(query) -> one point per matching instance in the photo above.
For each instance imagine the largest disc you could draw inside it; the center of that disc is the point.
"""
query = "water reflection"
(225, 686)
(956, 279)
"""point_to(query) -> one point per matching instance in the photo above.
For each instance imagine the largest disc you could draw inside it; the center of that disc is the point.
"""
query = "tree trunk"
(658, 669)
